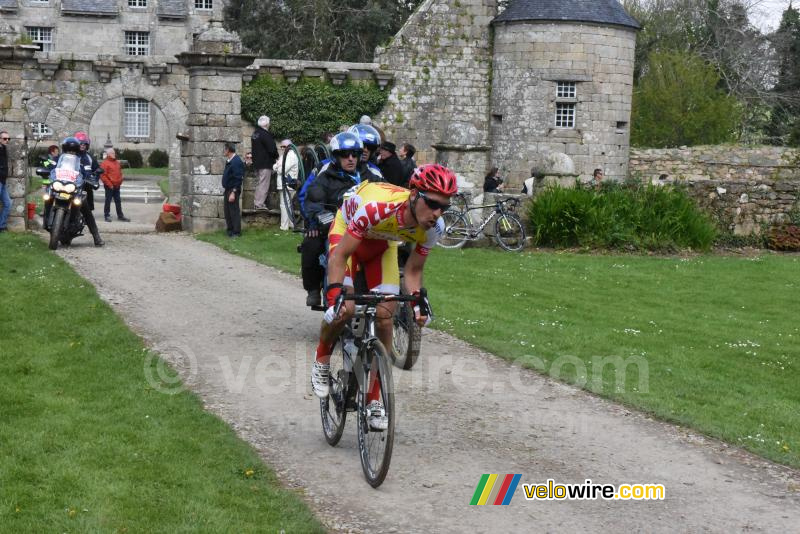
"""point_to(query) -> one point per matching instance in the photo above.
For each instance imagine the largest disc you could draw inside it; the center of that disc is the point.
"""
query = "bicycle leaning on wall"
(509, 231)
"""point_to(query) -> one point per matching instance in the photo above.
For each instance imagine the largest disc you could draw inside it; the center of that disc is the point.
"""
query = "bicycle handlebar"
(377, 298)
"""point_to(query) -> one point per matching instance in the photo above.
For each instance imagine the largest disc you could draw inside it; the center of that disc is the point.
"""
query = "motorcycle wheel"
(55, 230)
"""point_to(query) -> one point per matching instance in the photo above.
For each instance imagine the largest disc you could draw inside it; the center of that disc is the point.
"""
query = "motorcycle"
(64, 197)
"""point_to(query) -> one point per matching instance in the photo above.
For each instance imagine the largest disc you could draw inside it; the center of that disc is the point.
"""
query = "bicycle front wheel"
(375, 446)
(332, 409)
(509, 232)
(456, 230)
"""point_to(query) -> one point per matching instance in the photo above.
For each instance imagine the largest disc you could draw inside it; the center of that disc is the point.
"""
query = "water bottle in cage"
(350, 354)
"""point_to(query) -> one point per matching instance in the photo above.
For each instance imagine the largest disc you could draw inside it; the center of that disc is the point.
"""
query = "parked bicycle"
(509, 231)
(357, 352)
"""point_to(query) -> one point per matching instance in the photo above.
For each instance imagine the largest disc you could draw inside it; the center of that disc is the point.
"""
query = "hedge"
(306, 109)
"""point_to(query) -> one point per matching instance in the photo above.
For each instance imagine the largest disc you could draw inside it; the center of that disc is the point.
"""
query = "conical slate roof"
(599, 11)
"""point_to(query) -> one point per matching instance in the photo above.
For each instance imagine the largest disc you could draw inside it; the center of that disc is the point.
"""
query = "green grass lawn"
(716, 338)
(149, 171)
(89, 444)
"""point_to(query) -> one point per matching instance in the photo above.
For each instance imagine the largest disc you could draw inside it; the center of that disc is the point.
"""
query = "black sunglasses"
(433, 204)
(5, 139)
(348, 153)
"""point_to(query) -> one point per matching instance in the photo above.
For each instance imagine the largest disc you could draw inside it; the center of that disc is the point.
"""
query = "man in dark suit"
(390, 165)
(232, 178)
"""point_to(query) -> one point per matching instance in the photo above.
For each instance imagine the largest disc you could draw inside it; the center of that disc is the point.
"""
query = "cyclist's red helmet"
(434, 178)
(83, 138)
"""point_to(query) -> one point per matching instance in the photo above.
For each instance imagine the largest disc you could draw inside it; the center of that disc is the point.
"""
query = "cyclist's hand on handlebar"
(335, 298)
(422, 310)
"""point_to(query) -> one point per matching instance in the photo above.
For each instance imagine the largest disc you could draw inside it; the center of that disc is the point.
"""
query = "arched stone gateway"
(187, 106)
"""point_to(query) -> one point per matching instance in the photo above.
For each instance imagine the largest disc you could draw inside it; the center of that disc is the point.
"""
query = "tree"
(718, 31)
(325, 30)
(784, 126)
(678, 101)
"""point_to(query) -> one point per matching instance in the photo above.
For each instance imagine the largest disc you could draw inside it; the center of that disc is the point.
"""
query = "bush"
(304, 110)
(132, 156)
(37, 156)
(784, 237)
(620, 216)
(158, 159)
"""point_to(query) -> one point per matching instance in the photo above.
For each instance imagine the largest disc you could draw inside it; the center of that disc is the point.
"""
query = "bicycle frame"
(499, 209)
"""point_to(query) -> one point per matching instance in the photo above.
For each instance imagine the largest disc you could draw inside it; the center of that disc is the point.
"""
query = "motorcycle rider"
(323, 193)
(89, 168)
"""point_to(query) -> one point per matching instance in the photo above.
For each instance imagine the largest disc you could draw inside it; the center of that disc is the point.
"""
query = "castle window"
(566, 100)
(137, 118)
(565, 90)
(565, 115)
(137, 43)
(204, 4)
(137, 3)
(40, 130)
(41, 37)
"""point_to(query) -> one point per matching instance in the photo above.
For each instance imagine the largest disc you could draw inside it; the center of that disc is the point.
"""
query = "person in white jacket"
(291, 175)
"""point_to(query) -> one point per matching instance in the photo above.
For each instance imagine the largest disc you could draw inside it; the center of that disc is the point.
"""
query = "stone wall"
(442, 63)
(529, 60)
(745, 188)
(13, 119)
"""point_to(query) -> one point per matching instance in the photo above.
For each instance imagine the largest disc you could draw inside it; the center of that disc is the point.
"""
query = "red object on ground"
(173, 208)
(31, 210)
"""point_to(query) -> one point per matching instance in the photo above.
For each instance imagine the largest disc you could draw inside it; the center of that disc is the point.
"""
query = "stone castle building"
(475, 89)
(469, 86)
(120, 30)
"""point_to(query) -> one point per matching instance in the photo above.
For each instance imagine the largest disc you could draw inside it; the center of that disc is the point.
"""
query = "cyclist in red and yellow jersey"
(373, 220)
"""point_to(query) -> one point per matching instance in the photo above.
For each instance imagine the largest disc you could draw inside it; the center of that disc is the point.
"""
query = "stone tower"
(562, 83)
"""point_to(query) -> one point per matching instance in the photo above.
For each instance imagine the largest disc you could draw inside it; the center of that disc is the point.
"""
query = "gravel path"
(242, 339)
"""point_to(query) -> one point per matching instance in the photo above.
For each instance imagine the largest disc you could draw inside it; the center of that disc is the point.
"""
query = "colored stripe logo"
(495, 489)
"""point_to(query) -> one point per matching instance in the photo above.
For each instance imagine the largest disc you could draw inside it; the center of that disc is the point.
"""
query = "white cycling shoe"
(320, 379)
(376, 416)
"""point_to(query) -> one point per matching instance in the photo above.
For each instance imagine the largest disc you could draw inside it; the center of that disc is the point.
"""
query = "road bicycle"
(509, 231)
(357, 352)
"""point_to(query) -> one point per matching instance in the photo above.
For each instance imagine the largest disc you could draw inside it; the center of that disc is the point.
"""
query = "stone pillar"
(215, 67)
(13, 119)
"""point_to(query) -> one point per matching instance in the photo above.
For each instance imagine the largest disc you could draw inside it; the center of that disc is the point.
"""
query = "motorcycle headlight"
(69, 188)
(58, 186)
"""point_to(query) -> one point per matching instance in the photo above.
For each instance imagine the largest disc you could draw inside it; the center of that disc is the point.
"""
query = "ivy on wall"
(306, 109)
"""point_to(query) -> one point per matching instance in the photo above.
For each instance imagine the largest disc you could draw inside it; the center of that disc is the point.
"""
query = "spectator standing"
(291, 176)
(597, 176)
(406, 154)
(5, 198)
(112, 182)
(492, 183)
(232, 178)
(264, 155)
(390, 165)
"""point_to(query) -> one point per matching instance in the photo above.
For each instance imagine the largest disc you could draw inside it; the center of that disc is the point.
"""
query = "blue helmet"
(345, 141)
(71, 144)
(368, 135)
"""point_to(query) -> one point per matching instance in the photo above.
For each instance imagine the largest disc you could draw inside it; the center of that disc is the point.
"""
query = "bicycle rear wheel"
(375, 446)
(509, 232)
(332, 408)
(406, 334)
(456, 230)
(288, 194)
